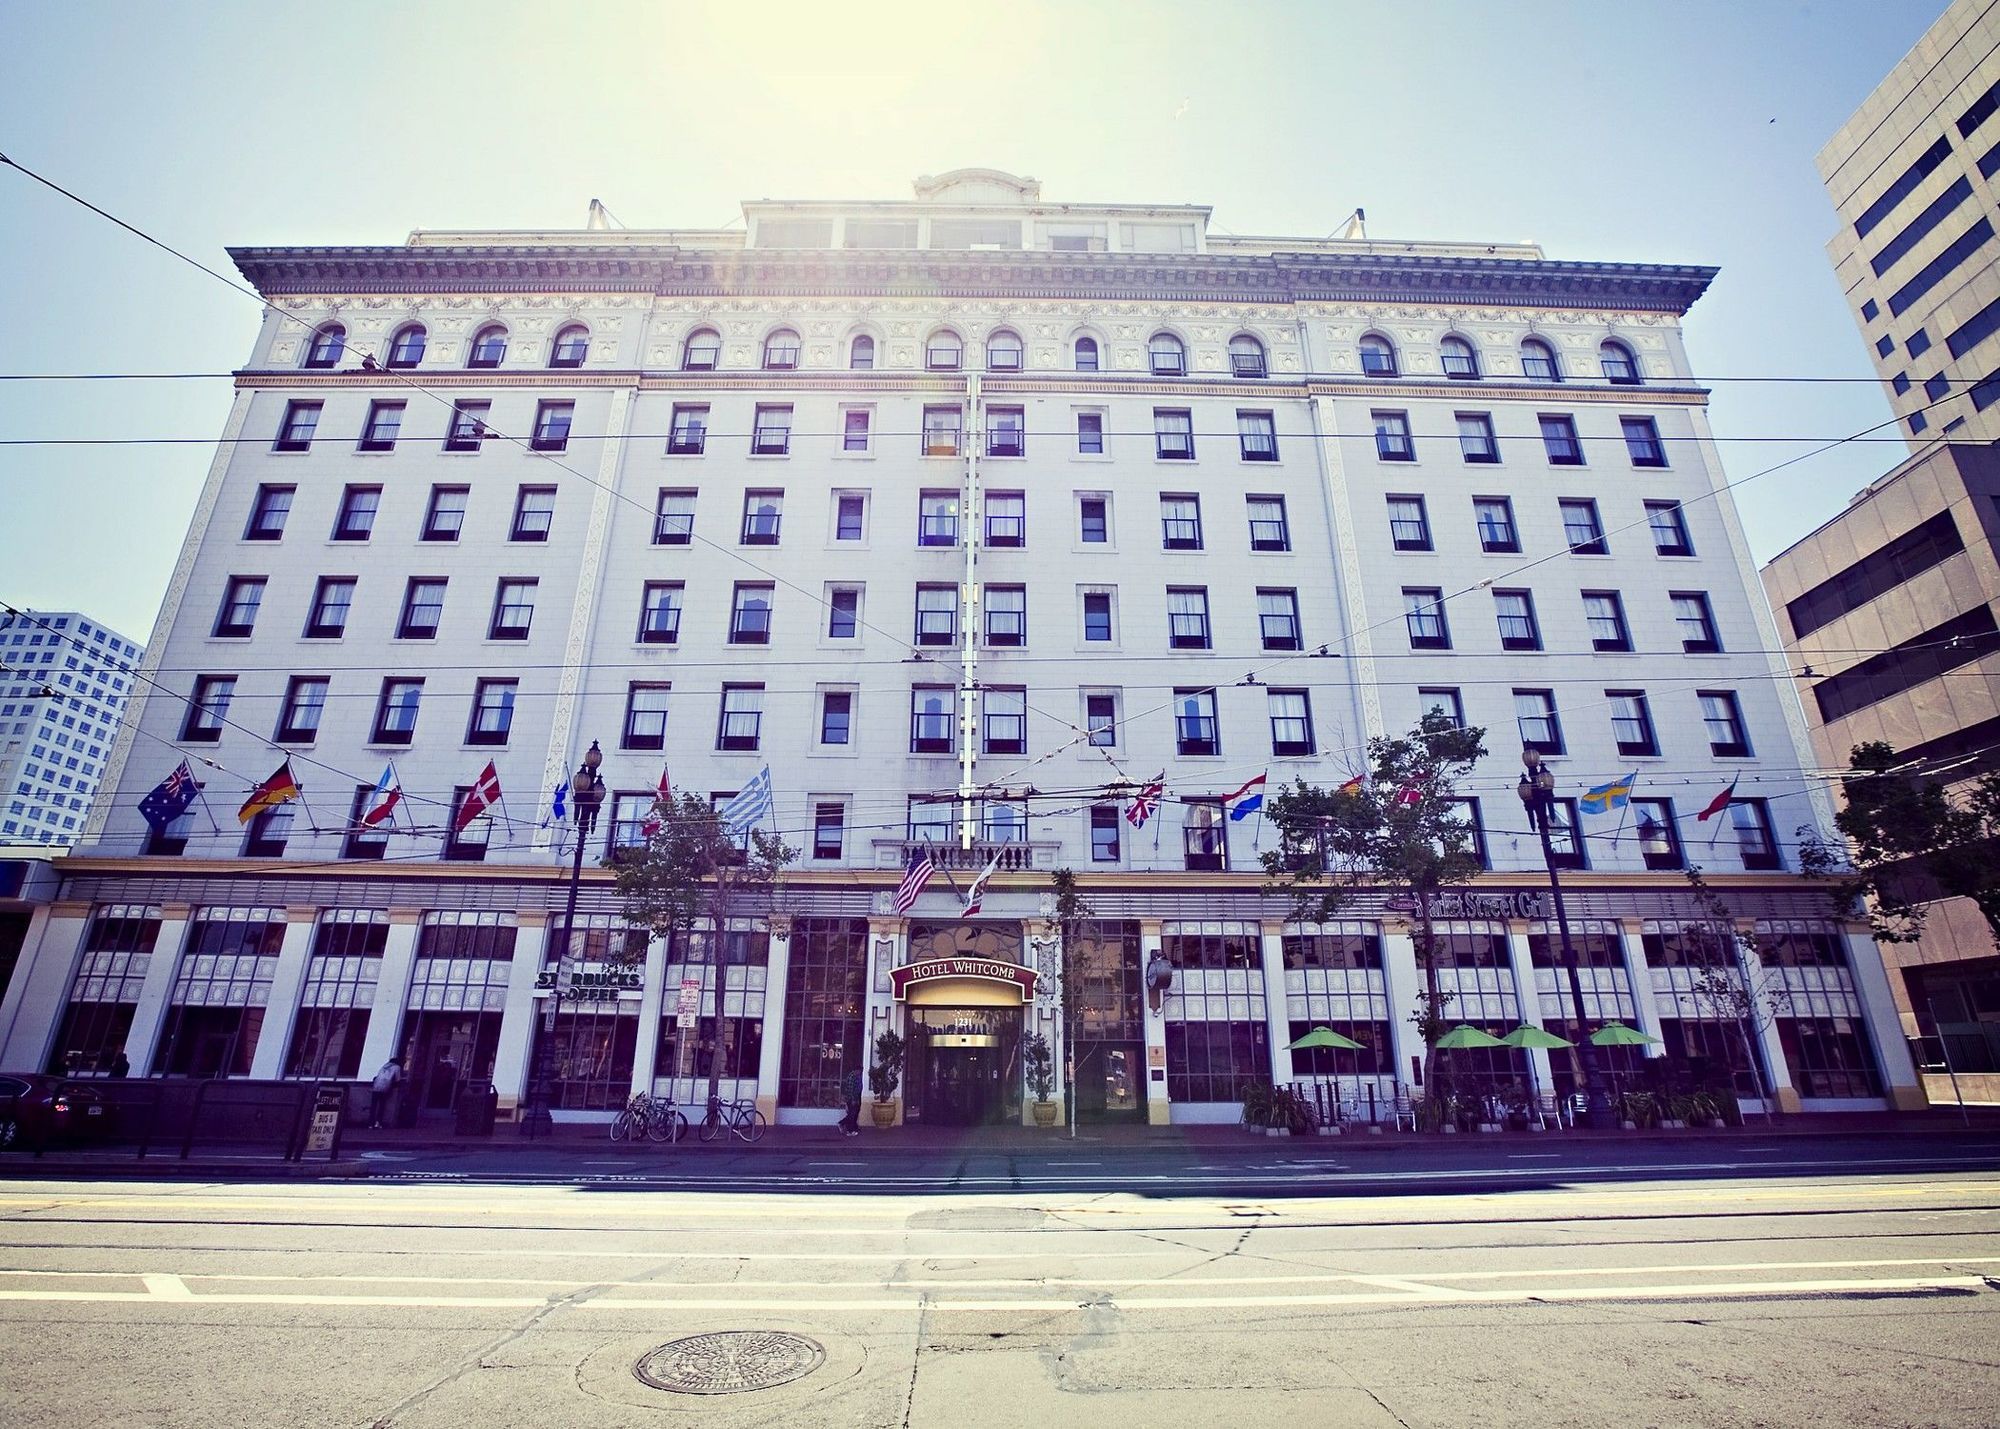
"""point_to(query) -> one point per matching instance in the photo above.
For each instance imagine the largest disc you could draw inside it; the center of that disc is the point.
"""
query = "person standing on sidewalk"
(850, 1087)
(380, 1090)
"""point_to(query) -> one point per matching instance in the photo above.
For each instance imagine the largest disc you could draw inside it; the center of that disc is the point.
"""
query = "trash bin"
(478, 1102)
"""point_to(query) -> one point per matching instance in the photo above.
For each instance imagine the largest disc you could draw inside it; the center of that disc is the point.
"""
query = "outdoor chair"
(1406, 1112)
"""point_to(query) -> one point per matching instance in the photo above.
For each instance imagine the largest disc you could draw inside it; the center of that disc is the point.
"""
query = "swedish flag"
(1606, 797)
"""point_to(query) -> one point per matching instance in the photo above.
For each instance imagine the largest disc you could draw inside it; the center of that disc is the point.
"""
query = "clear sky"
(1678, 132)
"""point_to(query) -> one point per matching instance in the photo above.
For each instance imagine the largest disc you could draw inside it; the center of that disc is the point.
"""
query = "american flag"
(914, 878)
(1146, 801)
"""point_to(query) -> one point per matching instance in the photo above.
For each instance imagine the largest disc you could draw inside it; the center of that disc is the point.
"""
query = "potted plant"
(885, 1075)
(1040, 1065)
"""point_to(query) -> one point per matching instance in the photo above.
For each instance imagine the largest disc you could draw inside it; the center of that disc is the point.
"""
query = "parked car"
(45, 1111)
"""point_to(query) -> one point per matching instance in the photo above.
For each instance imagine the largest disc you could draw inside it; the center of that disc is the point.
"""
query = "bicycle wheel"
(750, 1125)
(680, 1131)
(713, 1124)
(660, 1123)
(623, 1126)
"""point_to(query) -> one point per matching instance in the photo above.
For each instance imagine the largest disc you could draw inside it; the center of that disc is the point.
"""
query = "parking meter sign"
(690, 1000)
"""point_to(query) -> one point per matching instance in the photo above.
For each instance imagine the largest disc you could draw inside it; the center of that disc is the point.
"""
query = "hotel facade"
(966, 516)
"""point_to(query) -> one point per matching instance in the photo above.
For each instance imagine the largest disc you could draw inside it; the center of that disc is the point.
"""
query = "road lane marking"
(166, 1287)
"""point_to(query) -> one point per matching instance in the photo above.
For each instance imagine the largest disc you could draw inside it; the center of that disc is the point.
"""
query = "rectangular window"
(750, 615)
(1475, 438)
(854, 429)
(268, 512)
(1515, 610)
(333, 599)
(444, 518)
(423, 608)
(1751, 819)
(1653, 826)
(1904, 185)
(660, 613)
(1604, 614)
(1535, 714)
(492, 711)
(1409, 523)
(829, 830)
(305, 704)
(937, 518)
(937, 614)
(1642, 441)
(1903, 558)
(358, 505)
(1104, 833)
(931, 720)
(1291, 723)
(467, 427)
(741, 725)
(1631, 722)
(771, 431)
(1006, 431)
(762, 511)
(1727, 737)
(295, 432)
(645, 716)
(1100, 719)
(534, 513)
(1195, 730)
(850, 516)
(1441, 700)
(1097, 617)
(1006, 519)
(688, 433)
(1564, 842)
(1392, 436)
(368, 841)
(1495, 518)
(1090, 433)
(240, 600)
(673, 525)
(1560, 441)
(1278, 619)
(396, 711)
(1180, 523)
(843, 613)
(1955, 253)
(942, 428)
(836, 716)
(1204, 835)
(1423, 616)
(552, 423)
(467, 845)
(1269, 530)
(1582, 528)
(513, 610)
(1187, 617)
(1695, 621)
(1257, 434)
(1093, 520)
(1003, 716)
(1007, 616)
(1173, 434)
(1669, 527)
(384, 422)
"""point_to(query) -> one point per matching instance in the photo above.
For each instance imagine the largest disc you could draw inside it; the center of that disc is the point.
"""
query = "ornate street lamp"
(1538, 796)
(586, 793)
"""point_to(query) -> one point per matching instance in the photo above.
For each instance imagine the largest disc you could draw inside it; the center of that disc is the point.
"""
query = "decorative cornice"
(666, 270)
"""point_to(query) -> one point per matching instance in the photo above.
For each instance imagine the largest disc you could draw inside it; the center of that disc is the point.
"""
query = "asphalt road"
(1855, 1291)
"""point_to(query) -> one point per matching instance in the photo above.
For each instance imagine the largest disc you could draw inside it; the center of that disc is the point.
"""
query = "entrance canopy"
(963, 982)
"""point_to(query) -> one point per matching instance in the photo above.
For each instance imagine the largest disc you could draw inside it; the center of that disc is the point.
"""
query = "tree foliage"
(1911, 840)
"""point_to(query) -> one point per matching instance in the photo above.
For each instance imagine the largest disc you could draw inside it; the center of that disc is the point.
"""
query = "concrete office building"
(965, 515)
(64, 683)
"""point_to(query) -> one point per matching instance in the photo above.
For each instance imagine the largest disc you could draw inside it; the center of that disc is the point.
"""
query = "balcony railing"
(1016, 856)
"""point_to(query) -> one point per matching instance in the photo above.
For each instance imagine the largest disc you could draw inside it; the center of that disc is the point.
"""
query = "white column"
(1645, 1011)
(1900, 1081)
(770, 1055)
(1159, 1110)
(887, 948)
(646, 1050)
(1272, 945)
(33, 1007)
(1528, 991)
(392, 990)
(150, 1016)
(287, 979)
(517, 1021)
(1402, 979)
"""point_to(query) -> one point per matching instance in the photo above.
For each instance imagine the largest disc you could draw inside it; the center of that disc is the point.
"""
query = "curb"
(163, 1168)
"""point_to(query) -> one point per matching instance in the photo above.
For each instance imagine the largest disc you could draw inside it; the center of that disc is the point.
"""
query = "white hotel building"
(953, 512)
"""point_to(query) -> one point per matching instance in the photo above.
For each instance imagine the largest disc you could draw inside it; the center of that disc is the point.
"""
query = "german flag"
(280, 788)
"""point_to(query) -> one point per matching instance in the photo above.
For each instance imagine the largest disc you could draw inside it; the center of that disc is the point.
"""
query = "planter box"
(883, 1114)
(1669, 1124)
(1490, 1126)
(1045, 1113)
(1374, 1128)
(1329, 1131)
(1277, 1131)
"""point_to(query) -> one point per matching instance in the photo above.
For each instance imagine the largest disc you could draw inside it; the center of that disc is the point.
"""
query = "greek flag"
(750, 806)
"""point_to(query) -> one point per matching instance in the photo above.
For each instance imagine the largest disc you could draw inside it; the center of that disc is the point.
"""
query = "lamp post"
(1538, 796)
(586, 793)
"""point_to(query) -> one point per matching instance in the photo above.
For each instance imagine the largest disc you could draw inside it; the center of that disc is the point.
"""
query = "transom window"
(1620, 366)
(702, 351)
(1246, 356)
(1461, 363)
(1003, 352)
(571, 346)
(1167, 355)
(327, 346)
(944, 352)
(489, 347)
(406, 349)
(1378, 356)
(781, 350)
(1538, 361)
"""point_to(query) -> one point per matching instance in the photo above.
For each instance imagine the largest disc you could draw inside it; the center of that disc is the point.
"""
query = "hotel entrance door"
(964, 1066)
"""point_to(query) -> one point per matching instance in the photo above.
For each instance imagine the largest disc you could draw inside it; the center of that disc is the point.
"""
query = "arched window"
(572, 345)
(489, 346)
(1168, 355)
(702, 351)
(1086, 354)
(1378, 356)
(1460, 361)
(1538, 361)
(406, 348)
(781, 350)
(944, 351)
(1246, 356)
(861, 354)
(327, 344)
(1620, 366)
(1003, 352)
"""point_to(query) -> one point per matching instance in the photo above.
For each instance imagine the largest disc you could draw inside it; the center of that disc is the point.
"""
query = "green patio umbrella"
(1325, 1037)
(1467, 1037)
(1617, 1034)
(1527, 1036)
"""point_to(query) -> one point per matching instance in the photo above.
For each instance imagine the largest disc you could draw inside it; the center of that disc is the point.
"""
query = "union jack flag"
(1146, 802)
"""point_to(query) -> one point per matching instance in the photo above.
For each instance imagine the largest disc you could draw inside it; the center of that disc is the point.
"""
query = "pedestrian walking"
(850, 1086)
(385, 1083)
(121, 1065)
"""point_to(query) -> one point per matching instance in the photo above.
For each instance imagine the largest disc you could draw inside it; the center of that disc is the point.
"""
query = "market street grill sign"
(1528, 903)
(902, 979)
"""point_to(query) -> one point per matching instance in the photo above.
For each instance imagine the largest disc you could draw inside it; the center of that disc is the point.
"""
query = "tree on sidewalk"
(1735, 988)
(1067, 910)
(1402, 827)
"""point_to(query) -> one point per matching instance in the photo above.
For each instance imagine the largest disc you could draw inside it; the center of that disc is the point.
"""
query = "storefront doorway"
(964, 1066)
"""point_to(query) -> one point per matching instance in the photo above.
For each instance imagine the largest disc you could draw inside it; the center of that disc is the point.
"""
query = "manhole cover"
(729, 1362)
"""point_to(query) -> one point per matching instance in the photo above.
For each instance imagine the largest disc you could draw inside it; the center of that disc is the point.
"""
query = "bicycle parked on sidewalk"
(654, 1118)
(740, 1119)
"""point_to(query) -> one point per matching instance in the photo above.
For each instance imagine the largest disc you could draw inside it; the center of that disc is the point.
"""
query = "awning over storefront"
(963, 982)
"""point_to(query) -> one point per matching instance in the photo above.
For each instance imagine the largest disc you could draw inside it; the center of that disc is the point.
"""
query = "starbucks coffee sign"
(991, 970)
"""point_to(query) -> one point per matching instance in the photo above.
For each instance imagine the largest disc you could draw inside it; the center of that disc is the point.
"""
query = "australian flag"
(170, 798)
